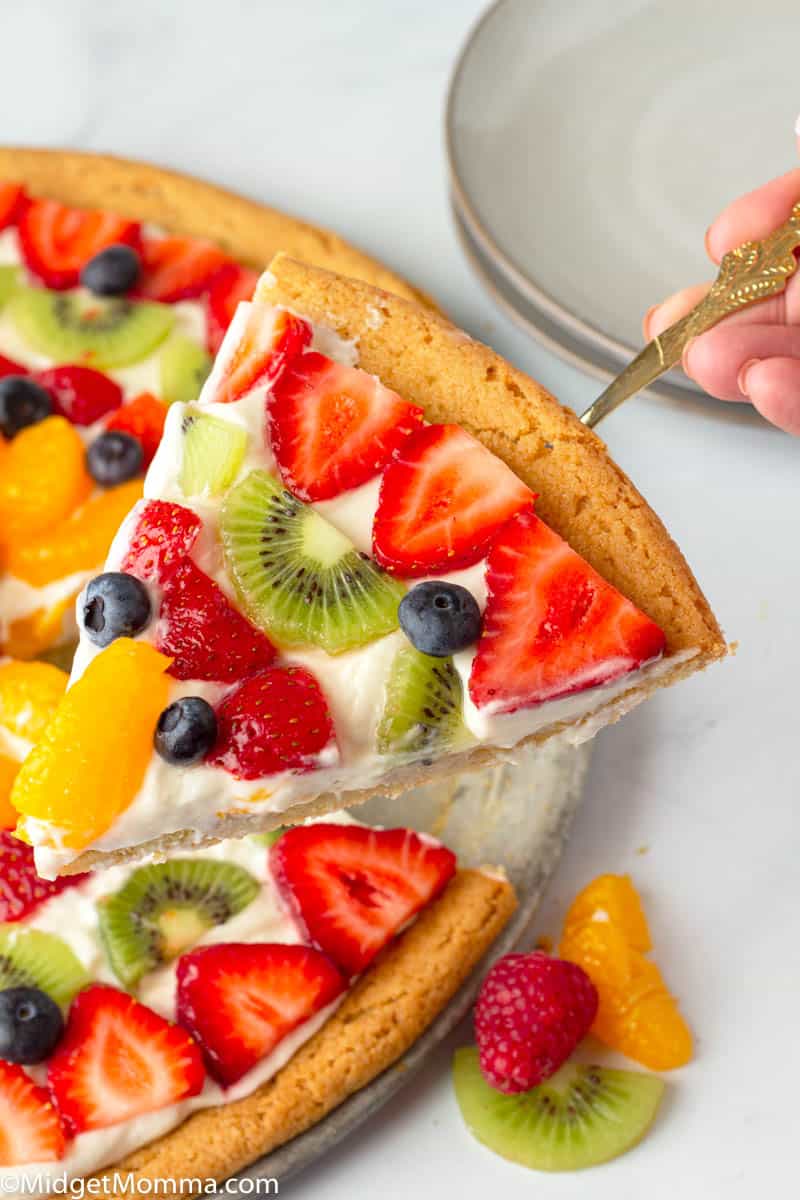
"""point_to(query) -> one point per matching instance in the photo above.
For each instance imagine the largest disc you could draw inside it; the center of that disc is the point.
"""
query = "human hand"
(753, 355)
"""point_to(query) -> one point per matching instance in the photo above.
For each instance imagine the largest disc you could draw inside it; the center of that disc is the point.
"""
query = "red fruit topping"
(240, 1000)
(531, 1013)
(58, 241)
(232, 285)
(9, 367)
(203, 633)
(355, 888)
(275, 721)
(118, 1060)
(21, 889)
(552, 625)
(270, 341)
(13, 201)
(333, 427)
(143, 417)
(178, 268)
(30, 1129)
(164, 535)
(442, 500)
(80, 394)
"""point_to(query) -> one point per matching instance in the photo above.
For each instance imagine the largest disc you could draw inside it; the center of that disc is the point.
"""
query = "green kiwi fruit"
(270, 837)
(163, 909)
(580, 1117)
(298, 577)
(422, 710)
(75, 327)
(32, 958)
(183, 367)
(212, 452)
(9, 282)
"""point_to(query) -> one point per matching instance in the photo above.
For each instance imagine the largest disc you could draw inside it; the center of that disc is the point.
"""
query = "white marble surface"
(334, 111)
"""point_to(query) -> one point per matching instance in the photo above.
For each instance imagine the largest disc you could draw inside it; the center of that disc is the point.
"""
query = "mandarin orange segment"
(636, 1013)
(43, 479)
(8, 773)
(30, 693)
(612, 898)
(92, 758)
(41, 630)
(79, 543)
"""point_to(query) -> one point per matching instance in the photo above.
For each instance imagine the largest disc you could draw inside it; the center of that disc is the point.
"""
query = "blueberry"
(440, 618)
(114, 458)
(30, 1025)
(114, 605)
(186, 730)
(112, 271)
(22, 402)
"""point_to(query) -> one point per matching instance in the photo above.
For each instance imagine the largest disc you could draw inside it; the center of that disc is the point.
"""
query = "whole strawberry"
(531, 1013)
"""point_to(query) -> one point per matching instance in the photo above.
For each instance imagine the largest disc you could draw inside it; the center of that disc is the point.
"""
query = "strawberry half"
(270, 341)
(80, 394)
(163, 537)
(333, 427)
(143, 418)
(177, 268)
(277, 720)
(30, 1128)
(442, 500)
(355, 887)
(240, 1000)
(552, 625)
(229, 288)
(9, 367)
(118, 1060)
(13, 201)
(21, 889)
(58, 241)
(206, 637)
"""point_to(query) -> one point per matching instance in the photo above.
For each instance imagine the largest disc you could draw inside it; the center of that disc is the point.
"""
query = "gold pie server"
(752, 272)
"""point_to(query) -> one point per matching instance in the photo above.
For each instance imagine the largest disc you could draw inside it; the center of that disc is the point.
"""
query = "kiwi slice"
(32, 958)
(299, 578)
(580, 1117)
(76, 327)
(183, 366)
(212, 453)
(423, 706)
(163, 909)
(270, 837)
(9, 282)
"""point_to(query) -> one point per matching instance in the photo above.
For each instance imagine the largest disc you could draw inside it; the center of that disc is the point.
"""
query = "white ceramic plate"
(591, 145)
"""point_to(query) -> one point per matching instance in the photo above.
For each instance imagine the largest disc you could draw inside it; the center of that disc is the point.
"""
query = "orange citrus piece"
(612, 898)
(79, 543)
(43, 479)
(8, 773)
(30, 693)
(91, 761)
(636, 1015)
(28, 636)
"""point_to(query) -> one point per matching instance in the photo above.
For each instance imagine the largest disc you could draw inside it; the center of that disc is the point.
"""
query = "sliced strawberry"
(163, 537)
(178, 268)
(143, 417)
(333, 427)
(232, 285)
(442, 499)
(21, 889)
(206, 637)
(552, 625)
(57, 241)
(80, 394)
(240, 1000)
(271, 340)
(118, 1060)
(355, 887)
(30, 1128)
(277, 720)
(13, 201)
(9, 367)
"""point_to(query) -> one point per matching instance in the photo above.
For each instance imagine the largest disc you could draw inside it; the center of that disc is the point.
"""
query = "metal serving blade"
(752, 272)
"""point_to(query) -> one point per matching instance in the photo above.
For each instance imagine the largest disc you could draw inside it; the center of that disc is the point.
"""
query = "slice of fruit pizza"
(179, 1020)
(105, 320)
(335, 587)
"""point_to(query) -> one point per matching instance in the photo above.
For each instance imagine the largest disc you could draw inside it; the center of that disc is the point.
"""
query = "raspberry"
(531, 1013)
